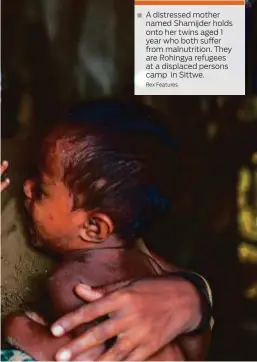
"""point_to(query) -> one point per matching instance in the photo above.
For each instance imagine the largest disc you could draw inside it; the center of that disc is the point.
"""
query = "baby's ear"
(96, 228)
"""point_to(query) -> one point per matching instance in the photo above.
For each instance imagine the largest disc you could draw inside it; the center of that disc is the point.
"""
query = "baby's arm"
(34, 337)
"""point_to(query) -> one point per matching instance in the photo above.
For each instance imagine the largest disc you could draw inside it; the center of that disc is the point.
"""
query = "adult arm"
(162, 308)
(194, 347)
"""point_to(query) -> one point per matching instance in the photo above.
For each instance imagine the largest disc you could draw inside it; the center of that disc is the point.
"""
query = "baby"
(95, 191)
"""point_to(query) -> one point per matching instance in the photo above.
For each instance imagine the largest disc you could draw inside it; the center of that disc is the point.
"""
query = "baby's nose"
(28, 188)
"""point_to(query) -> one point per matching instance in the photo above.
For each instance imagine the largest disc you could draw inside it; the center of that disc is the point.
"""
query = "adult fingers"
(91, 338)
(4, 184)
(87, 293)
(90, 294)
(4, 166)
(120, 350)
(93, 354)
(113, 287)
(141, 353)
(87, 313)
(36, 317)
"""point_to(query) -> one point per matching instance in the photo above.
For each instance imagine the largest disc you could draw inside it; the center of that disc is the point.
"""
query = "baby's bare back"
(96, 268)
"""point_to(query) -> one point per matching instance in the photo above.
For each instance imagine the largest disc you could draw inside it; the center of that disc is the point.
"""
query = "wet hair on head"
(114, 158)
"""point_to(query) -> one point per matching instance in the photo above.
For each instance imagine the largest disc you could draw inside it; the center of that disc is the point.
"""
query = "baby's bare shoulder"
(61, 284)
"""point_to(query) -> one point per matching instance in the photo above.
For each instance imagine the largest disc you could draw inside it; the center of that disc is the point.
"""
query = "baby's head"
(94, 181)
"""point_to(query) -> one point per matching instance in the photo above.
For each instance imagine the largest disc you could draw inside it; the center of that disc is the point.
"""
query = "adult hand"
(146, 315)
(5, 182)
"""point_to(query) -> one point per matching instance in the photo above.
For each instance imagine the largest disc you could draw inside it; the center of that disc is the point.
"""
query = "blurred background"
(58, 52)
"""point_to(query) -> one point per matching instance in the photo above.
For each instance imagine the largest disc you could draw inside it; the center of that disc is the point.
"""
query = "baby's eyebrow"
(46, 182)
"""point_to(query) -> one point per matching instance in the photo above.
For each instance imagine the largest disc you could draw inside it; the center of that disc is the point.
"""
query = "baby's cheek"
(60, 225)
(47, 223)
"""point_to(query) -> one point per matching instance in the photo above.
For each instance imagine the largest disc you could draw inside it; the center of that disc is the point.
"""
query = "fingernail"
(5, 163)
(64, 355)
(57, 331)
(84, 286)
(30, 314)
(7, 180)
(87, 288)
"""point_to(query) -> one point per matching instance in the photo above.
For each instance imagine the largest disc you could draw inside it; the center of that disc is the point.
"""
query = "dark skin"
(35, 339)
(109, 266)
(51, 215)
